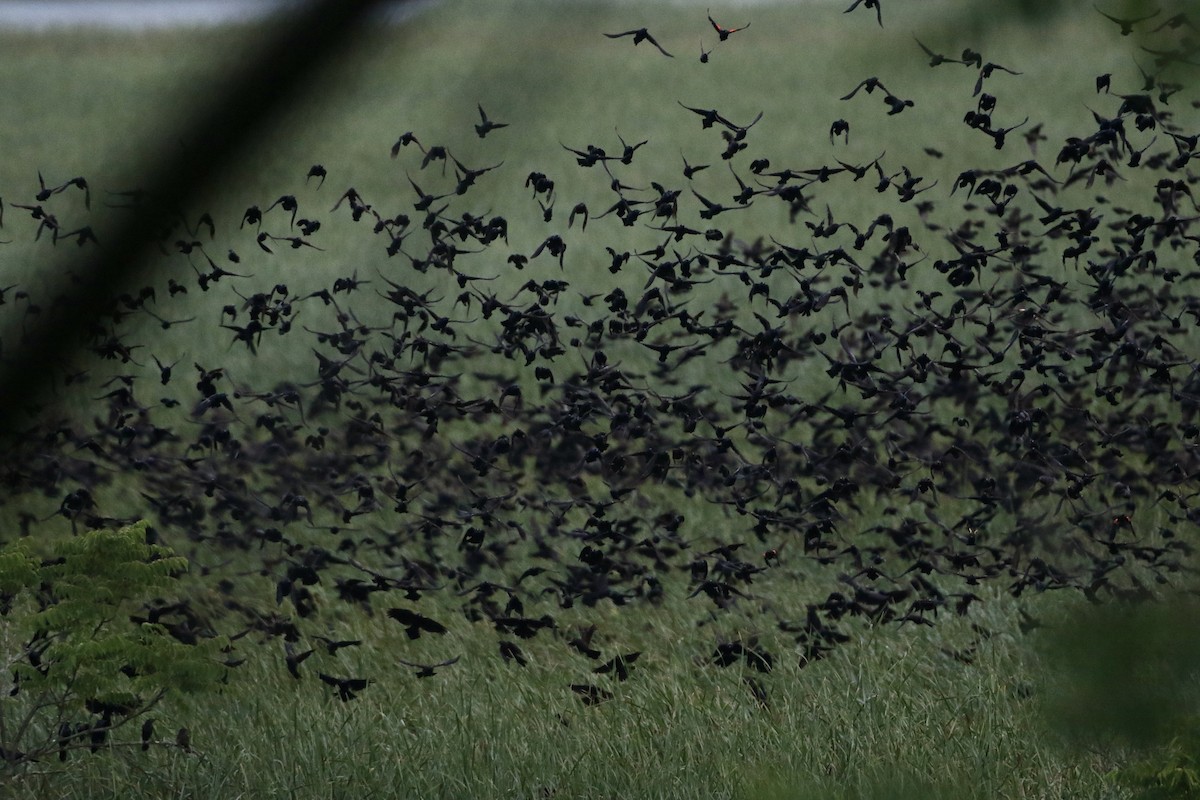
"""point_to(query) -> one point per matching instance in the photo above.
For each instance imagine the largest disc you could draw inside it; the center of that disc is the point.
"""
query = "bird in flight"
(1128, 22)
(722, 32)
(486, 126)
(640, 35)
(428, 670)
(936, 59)
(869, 4)
(870, 84)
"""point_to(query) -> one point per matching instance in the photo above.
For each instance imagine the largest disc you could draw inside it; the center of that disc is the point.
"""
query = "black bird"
(405, 140)
(591, 695)
(840, 127)
(896, 104)
(147, 733)
(511, 652)
(986, 71)
(690, 170)
(294, 659)
(485, 125)
(708, 117)
(428, 670)
(627, 150)
(415, 623)
(712, 209)
(936, 59)
(316, 171)
(640, 35)
(618, 665)
(580, 210)
(253, 215)
(332, 645)
(1128, 23)
(183, 740)
(346, 687)
(868, 4)
(870, 84)
(288, 203)
(723, 33)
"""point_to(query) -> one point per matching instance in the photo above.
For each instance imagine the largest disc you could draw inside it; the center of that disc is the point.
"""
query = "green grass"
(891, 712)
(893, 705)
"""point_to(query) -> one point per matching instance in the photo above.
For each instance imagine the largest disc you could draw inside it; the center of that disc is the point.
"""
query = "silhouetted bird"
(485, 125)
(1126, 24)
(414, 623)
(722, 32)
(640, 35)
(428, 670)
(346, 688)
(868, 4)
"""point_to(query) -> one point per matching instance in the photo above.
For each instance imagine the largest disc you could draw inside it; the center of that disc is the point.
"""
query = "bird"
(591, 695)
(640, 35)
(1127, 24)
(724, 33)
(428, 670)
(840, 127)
(509, 651)
(986, 71)
(936, 59)
(870, 84)
(183, 740)
(485, 125)
(294, 659)
(346, 688)
(316, 171)
(618, 666)
(868, 4)
(415, 624)
(689, 170)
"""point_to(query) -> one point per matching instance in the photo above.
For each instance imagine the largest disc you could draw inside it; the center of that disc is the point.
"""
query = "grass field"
(959, 709)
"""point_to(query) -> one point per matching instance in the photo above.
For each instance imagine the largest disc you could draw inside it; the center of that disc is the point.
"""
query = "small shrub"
(77, 662)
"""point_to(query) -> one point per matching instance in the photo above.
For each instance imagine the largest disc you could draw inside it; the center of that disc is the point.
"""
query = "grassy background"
(891, 716)
(895, 703)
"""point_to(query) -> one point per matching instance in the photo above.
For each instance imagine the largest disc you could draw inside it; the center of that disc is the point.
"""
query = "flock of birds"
(1019, 414)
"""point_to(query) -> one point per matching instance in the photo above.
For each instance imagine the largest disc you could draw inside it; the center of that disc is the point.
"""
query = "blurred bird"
(640, 35)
